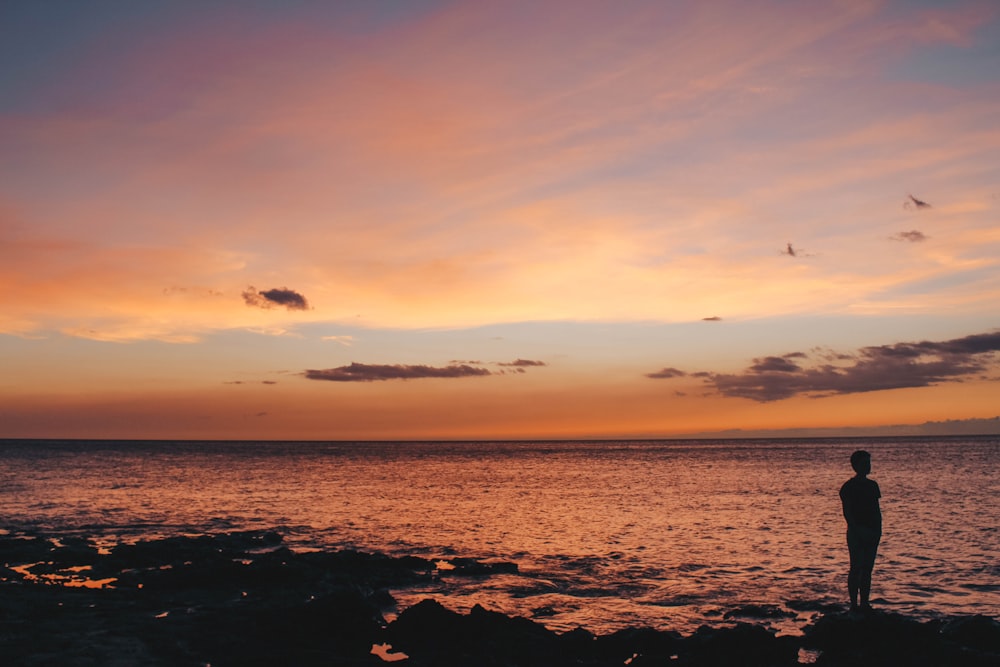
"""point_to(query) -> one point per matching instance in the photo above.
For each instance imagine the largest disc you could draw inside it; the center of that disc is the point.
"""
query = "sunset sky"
(470, 219)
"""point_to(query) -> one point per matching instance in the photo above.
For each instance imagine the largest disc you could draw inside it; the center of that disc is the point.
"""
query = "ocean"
(609, 534)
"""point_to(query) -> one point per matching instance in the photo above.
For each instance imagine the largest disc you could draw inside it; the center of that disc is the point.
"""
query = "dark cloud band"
(356, 372)
(376, 372)
(876, 368)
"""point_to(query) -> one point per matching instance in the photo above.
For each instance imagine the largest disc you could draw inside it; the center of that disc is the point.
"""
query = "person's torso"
(863, 495)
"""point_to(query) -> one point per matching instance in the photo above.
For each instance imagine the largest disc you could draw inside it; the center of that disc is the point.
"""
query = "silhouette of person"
(859, 496)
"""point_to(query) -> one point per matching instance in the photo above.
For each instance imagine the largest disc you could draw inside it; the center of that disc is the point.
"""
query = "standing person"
(859, 496)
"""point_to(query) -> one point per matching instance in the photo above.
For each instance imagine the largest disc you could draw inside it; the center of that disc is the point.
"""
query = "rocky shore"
(244, 599)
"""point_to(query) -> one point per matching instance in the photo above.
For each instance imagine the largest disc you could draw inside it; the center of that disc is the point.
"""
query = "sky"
(451, 219)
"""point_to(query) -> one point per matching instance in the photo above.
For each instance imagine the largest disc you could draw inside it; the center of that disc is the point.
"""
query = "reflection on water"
(72, 577)
(666, 534)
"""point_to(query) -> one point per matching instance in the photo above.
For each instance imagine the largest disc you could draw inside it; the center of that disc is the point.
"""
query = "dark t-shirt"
(859, 496)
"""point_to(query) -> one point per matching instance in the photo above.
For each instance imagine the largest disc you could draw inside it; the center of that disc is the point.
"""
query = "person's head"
(861, 461)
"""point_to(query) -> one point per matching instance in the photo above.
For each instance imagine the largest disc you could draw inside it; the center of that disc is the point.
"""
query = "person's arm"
(848, 507)
(849, 514)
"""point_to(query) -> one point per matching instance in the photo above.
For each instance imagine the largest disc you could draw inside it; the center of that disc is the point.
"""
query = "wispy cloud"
(277, 332)
(187, 291)
(876, 368)
(518, 365)
(913, 236)
(666, 373)
(346, 341)
(279, 296)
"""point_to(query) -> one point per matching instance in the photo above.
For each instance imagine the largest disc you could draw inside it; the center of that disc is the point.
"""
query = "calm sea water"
(667, 534)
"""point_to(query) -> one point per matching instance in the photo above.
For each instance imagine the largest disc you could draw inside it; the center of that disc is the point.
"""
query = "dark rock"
(218, 574)
(243, 599)
(474, 568)
(578, 641)
(168, 551)
(744, 644)
(883, 638)
(981, 633)
(250, 539)
(23, 550)
(75, 551)
(7, 574)
(283, 568)
(758, 611)
(814, 605)
(378, 570)
(428, 630)
(512, 631)
(183, 549)
(432, 634)
(342, 625)
(382, 598)
(638, 646)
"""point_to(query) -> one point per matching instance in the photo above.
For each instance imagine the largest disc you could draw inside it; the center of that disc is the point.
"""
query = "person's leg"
(854, 572)
(867, 554)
